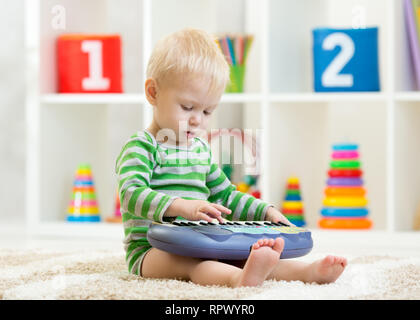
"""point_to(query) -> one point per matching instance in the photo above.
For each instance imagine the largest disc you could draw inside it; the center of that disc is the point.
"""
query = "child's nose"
(195, 120)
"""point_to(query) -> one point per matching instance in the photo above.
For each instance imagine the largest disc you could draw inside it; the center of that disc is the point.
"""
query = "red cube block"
(89, 63)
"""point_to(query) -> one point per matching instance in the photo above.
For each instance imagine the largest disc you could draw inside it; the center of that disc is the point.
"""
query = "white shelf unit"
(298, 125)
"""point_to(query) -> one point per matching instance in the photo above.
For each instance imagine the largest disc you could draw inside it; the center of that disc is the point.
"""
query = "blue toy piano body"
(231, 240)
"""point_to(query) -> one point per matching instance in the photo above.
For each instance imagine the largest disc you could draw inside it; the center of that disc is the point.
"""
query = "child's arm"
(244, 206)
(222, 191)
(134, 168)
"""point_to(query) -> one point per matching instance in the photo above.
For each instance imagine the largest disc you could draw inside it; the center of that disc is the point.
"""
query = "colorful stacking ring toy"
(83, 206)
(340, 173)
(345, 147)
(338, 155)
(345, 223)
(344, 212)
(292, 211)
(345, 191)
(292, 205)
(292, 197)
(345, 182)
(345, 164)
(345, 202)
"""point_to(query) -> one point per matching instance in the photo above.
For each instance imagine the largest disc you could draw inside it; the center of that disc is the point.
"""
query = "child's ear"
(150, 88)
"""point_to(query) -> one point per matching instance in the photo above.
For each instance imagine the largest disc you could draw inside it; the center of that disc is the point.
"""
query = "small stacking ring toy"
(345, 223)
(345, 155)
(345, 202)
(292, 205)
(345, 164)
(345, 147)
(344, 182)
(345, 191)
(348, 173)
(344, 212)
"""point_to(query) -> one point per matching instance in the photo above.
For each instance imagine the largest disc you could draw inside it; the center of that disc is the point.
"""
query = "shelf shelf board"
(131, 98)
(328, 97)
(93, 98)
(128, 98)
(241, 97)
(407, 96)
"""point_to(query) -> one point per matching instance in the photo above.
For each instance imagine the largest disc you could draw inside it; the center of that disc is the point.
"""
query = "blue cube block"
(345, 59)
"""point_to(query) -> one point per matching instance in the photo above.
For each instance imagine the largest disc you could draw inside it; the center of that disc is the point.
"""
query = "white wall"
(12, 112)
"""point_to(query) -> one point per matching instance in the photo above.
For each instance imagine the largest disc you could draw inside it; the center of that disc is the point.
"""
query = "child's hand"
(203, 210)
(196, 210)
(274, 215)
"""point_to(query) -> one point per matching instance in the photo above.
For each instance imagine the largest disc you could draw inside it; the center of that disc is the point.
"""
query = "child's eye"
(207, 113)
(186, 108)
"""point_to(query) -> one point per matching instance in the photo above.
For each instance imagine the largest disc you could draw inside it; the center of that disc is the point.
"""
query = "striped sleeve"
(245, 207)
(134, 167)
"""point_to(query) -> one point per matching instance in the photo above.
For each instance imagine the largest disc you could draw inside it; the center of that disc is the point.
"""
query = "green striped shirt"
(152, 175)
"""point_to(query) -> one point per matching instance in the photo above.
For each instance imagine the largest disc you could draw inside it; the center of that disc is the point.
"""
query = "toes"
(278, 244)
(334, 260)
(343, 262)
(329, 260)
(264, 242)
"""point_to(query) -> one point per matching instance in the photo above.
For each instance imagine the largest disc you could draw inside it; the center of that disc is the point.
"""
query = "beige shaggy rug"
(46, 274)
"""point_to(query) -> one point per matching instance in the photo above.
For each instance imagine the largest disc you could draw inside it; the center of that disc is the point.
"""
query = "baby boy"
(167, 171)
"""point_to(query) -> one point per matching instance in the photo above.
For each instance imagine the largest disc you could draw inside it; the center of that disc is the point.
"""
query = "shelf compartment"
(94, 98)
(303, 136)
(328, 97)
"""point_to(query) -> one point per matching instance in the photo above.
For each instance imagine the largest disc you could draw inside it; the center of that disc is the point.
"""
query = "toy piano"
(230, 240)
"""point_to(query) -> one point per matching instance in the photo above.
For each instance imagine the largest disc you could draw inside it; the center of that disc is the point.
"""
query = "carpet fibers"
(102, 274)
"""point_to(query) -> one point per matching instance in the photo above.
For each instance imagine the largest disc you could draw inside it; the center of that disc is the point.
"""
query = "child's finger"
(222, 208)
(212, 210)
(205, 217)
(216, 214)
(286, 221)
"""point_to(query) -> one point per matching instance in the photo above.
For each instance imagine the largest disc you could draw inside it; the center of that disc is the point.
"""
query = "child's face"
(185, 108)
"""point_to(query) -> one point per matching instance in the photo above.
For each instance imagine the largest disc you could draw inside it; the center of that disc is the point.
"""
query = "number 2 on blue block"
(345, 59)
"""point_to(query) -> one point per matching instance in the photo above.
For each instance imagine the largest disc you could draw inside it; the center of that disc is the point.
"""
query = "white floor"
(352, 243)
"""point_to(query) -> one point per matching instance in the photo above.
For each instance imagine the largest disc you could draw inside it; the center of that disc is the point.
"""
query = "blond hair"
(188, 52)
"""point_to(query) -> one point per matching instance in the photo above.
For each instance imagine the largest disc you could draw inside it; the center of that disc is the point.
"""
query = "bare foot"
(327, 270)
(264, 256)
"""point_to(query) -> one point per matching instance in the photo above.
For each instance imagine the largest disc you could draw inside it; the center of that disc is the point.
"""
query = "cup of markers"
(345, 202)
(235, 48)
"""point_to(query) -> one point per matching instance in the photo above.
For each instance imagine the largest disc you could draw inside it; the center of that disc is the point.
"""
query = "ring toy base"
(345, 223)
